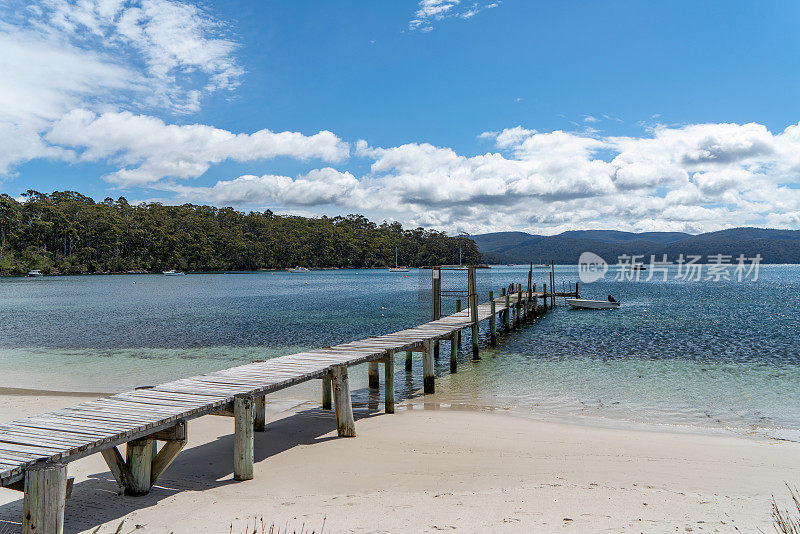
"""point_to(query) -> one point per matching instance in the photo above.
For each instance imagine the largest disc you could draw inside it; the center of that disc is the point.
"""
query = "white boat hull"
(585, 304)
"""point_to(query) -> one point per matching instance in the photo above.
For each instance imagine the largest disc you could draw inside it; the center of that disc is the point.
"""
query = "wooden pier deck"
(35, 451)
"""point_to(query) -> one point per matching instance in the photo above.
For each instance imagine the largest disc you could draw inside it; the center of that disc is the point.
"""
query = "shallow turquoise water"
(705, 353)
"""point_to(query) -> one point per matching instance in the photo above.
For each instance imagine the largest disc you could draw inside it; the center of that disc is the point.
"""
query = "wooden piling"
(544, 298)
(409, 356)
(492, 325)
(326, 393)
(473, 304)
(139, 456)
(44, 499)
(454, 352)
(437, 303)
(260, 417)
(428, 384)
(507, 315)
(519, 305)
(345, 424)
(535, 302)
(388, 378)
(529, 306)
(243, 439)
(458, 332)
(372, 372)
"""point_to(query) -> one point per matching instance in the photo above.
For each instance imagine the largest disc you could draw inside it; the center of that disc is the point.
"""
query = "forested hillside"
(774, 246)
(66, 232)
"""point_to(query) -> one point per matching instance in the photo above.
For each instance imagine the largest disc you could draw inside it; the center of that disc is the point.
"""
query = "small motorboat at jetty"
(35, 273)
(172, 272)
(586, 304)
(299, 269)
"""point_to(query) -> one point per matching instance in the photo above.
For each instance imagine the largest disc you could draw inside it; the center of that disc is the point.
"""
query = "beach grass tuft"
(260, 526)
(787, 520)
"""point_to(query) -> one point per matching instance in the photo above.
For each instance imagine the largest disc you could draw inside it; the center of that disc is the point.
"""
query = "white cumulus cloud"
(149, 150)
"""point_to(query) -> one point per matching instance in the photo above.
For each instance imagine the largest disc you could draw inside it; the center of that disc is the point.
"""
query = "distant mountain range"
(775, 246)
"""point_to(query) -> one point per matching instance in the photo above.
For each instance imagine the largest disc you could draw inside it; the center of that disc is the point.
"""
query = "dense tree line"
(66, 232)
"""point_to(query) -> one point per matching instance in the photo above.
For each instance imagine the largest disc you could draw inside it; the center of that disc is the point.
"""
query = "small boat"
(35, 273)
(586, 304)
(299, 269)
(397, 268)
(173, 272)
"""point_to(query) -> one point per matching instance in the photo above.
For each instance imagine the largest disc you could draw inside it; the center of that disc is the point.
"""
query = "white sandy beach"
(426, 470)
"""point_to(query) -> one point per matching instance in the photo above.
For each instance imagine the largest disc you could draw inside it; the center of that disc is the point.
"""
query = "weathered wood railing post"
(428, 384)
(535, 302)
(409, 357)
(577, 295)
(44, 499)
(436, 284)
(326, 393)
(519, 305)
(492, 325)
(473, 304)
(243, 439)
(553, 283)
(388, 379)
(372, 373)
(345, 423)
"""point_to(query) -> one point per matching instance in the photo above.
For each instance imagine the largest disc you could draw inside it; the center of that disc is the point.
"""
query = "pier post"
(458, 332)
(492, 325)
(388, 378)
(544, 300)
(454, 351)
(243, 439)
(139, 458)
(44, 499)
(409, 357)
(535, 302)
(507, 314)
(260, 418)
(473, 304)
(553, 283)
(528, 306)
(427, 368)
(345, 424)
(326, 393)
(437, 303)
(577, 295)
(519, 305)
(372, 372)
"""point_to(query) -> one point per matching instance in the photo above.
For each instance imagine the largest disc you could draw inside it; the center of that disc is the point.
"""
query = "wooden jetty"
(35, 451)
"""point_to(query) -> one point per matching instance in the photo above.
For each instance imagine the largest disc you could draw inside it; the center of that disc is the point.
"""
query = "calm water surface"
(712, 354)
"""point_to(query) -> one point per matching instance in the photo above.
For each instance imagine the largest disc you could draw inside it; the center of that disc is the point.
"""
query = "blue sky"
(464, 116)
